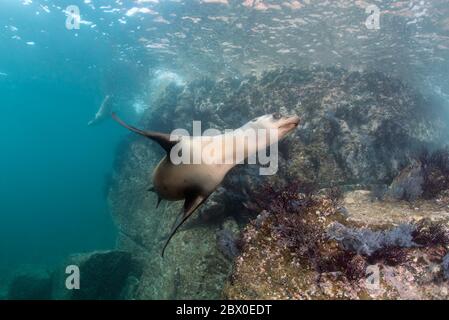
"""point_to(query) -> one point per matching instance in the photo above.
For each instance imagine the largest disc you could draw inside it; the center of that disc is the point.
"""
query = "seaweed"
(428, 233)
(293, 198)
(391, 256)
(299, 236)
(293, 220)
(355, 268)
(335, 195)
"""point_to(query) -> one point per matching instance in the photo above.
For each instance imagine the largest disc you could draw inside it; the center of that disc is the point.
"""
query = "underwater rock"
(435, 166)
(356, 128)
(366, 242)
(364, 211)
(393, 266)
(379, 192)
(426, 177)
(106, 275)
(228, 243)
(408, 184)
(30, 287)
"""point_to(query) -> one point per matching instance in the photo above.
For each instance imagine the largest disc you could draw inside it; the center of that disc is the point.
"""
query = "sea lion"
(102, 112)
(194, 183)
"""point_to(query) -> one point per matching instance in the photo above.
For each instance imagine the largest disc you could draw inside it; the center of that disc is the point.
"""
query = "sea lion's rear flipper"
(159, 199)
(190, 205)
(162, 138)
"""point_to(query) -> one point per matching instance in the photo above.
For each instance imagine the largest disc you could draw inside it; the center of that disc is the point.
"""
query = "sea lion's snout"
(295, 120)
(287, 124)
(283, 123)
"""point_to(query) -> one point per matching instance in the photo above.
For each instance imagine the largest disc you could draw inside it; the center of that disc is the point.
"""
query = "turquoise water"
(54, 168)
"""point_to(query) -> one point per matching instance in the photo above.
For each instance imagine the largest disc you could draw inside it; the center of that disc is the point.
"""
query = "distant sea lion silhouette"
(103, 111)
(194, 183)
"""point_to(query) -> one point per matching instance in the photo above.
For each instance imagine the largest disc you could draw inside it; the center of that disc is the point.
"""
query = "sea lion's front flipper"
(190, 205)
(162, 138)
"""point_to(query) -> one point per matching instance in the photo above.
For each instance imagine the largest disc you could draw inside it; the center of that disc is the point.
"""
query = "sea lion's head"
(283, 124)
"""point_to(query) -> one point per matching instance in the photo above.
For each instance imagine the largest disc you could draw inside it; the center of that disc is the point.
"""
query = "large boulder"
(30, 286)
(104, 275)
(357, 128)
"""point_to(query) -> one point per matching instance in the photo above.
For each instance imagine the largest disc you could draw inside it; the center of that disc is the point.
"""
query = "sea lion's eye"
(277, 116)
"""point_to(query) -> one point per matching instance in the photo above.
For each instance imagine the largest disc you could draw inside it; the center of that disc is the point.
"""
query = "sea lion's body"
(195, 181)
(171, 182)
(174, 181)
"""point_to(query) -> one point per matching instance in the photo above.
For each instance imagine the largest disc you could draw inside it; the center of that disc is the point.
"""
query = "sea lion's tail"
(162, 138)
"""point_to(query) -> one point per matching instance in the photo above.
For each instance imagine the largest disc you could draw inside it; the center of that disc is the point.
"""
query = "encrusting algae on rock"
(307, 247)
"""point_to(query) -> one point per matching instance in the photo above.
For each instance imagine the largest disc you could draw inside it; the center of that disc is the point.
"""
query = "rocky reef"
(321, 250)
(356, 210)
(385, 243)
(358, 131)
(104, 275)
(426, 177)
(29, 287)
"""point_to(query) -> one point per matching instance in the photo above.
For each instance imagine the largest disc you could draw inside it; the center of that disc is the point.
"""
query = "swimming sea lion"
(102, 112)
(194, 182)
